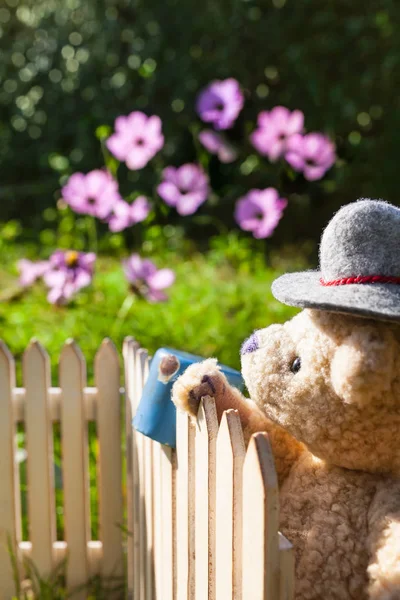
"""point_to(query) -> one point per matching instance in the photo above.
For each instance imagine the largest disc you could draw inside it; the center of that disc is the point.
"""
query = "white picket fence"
(203, 519)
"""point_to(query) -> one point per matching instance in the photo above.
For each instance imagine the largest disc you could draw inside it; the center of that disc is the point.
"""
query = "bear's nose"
(249, 345)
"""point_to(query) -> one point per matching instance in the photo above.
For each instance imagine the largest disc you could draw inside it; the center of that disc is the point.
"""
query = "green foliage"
(223, 296)
(69, 68)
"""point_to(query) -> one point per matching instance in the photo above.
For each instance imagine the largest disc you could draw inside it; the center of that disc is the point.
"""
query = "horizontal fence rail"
(202, 519)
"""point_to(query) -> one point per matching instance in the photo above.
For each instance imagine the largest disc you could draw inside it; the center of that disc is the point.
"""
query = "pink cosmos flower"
(313, 154)
(185, 188)
(31, 271)
(260, 211)
(215, 144)
(125, 215)
(69, 272)
(220, 103)
(136, 140)
(274, 129)
(91, 194)
(146, 280)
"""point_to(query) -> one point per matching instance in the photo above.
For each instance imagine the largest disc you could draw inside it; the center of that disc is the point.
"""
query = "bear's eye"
(296, 365)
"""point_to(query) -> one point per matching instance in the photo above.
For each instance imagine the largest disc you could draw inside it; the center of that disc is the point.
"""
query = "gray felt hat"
(359, 265)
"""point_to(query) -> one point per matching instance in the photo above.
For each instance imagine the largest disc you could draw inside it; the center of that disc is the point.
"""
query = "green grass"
(213, 307)
(53, 587)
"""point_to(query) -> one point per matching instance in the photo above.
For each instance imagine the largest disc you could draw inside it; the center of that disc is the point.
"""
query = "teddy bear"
(325, 385)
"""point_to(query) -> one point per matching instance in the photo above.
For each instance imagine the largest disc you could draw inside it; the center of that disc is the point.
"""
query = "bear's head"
(333, 382)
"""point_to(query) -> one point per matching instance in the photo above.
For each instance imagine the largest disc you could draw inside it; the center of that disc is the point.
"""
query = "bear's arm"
(206, 379)
(384, 542)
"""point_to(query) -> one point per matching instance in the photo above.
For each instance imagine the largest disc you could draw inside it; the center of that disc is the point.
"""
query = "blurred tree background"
(67, 67)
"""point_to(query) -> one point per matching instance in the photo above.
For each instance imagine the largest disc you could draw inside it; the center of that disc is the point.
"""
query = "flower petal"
(295, 160)
(168, 192)
(55, 295)
(161, 279)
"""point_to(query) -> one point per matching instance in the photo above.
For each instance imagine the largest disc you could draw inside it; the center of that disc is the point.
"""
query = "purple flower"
(260, 211)
(91, 194)
(146, 280)
(313, 154)
(31, 271)
(136, 140)
(125, 215)
(215, 144)
(184, 187)
(69, 272)
(274, 129)
(220, 103)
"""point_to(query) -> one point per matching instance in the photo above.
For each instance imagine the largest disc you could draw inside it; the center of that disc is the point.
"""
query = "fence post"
(10, 512)
(168, 551)
(72, 378)
(185, 507)
(39, 442)
(107, 375)
(130, 348)
(206, 438)
(230, 457)
(260, 522)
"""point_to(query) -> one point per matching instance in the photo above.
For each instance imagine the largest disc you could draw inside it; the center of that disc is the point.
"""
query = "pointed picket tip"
(107, 343)
(231, 429)
(144, 359)
(106, 353)
(35, 349)
(129, 340)
(36, 365)
(7, 365)
(72, 364)
(259, 454)
(106, 360)
(71, 348)
(142, 353)
(207, 420)
(5, 352)
(129, 345)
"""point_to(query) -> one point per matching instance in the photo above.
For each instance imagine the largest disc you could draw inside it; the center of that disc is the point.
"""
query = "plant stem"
(92, 233)
(122, 314)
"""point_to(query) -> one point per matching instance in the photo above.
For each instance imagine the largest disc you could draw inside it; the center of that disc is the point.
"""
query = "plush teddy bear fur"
(334, 428)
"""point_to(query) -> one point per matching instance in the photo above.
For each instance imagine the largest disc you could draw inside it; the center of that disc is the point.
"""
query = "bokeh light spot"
(354, 138)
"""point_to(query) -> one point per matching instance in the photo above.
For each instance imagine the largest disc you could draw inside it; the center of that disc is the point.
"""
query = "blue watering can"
(156, 413)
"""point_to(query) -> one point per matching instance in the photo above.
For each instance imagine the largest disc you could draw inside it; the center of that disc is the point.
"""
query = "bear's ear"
(363, 364)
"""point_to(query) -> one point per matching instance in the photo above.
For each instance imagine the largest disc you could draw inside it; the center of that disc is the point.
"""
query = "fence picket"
(260, 556)
(142, 535)
(185, 507)
(107, 374)
(206, 437)
(230, 457)
(167, 456)
(129, 348)
(72, 377)
(148, 492)
(39, 443)
(148, 514)
(158, 522)
(10, 513)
